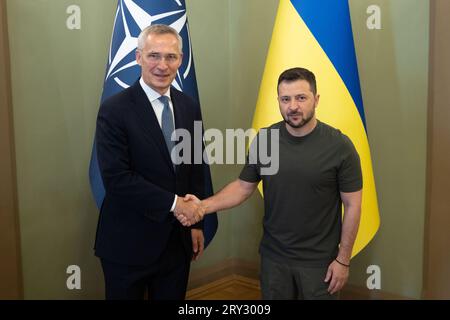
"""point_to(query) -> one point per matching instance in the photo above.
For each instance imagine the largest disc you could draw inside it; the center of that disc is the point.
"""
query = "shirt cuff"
(174, 204)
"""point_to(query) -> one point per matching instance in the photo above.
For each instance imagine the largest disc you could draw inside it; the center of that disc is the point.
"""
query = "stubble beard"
(302, 123)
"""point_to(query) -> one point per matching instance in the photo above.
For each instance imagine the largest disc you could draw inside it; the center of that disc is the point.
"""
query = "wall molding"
(222, 269)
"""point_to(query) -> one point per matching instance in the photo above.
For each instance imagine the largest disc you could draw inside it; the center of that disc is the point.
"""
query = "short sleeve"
(350, 174)
(252, 170)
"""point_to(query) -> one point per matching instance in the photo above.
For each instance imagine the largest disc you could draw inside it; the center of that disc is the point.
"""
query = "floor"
(233, 287)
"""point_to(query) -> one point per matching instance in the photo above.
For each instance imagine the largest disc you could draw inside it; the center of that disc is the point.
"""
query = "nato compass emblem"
(132, 16)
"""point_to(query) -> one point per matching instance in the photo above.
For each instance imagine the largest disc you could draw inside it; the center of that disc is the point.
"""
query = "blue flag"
(122, 70)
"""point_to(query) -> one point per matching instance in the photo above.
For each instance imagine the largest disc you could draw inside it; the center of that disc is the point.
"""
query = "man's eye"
(171, 57)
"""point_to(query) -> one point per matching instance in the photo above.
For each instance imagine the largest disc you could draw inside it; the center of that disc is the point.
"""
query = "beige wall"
(57, 77)
(393, 66)
(208, 21)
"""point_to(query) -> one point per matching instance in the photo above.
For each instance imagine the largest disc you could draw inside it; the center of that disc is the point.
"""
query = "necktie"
(167, 124)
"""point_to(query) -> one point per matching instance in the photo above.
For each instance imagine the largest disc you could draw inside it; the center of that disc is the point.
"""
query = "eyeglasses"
(157, 57)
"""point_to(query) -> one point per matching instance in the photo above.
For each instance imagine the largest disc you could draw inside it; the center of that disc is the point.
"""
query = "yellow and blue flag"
(317, 35)
(122, 70)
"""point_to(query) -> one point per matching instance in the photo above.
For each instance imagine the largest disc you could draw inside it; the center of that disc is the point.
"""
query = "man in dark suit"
(139, 241)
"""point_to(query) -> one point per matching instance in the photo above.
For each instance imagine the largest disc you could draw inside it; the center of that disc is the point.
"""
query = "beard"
(305, 120)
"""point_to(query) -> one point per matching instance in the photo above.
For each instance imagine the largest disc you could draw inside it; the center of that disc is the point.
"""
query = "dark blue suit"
(136, 229)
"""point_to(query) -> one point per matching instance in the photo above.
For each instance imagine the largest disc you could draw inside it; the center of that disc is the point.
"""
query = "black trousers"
(166, 279)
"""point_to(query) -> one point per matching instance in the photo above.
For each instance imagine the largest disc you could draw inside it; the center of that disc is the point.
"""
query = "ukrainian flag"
(317, 35)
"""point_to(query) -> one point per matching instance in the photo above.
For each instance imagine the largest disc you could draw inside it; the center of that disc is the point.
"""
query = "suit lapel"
(148, 121)
(177, 109)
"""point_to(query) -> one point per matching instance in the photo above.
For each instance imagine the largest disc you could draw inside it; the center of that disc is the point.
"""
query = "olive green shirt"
(303, 208)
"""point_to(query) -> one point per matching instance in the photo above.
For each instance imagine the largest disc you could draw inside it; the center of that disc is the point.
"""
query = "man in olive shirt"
(306, 247)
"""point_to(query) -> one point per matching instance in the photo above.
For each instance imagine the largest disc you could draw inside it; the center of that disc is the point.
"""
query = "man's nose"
(294, 105)
(162, 64)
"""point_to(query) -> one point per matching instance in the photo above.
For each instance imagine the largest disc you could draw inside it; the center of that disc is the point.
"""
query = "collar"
(152, 95)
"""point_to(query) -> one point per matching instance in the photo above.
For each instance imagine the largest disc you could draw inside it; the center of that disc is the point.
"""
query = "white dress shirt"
(158, 107)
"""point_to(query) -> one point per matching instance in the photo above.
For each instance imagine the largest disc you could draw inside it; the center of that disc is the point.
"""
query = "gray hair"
(158, 29)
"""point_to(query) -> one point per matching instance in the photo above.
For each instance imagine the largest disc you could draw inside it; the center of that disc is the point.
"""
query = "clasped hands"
(189, 210)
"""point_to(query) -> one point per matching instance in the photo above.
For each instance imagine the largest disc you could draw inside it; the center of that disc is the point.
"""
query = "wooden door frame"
(11, 284)
(436, 284)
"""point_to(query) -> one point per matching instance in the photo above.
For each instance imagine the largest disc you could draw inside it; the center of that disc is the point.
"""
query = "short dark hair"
(295, 74)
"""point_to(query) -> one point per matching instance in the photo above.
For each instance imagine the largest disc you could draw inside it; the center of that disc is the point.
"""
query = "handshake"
(189, 210)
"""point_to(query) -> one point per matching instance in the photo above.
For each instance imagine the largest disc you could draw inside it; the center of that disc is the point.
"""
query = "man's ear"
(181, 60)
(138, 57)
(317, 100)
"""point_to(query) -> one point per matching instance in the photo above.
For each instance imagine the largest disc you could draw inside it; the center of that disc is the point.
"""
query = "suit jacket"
(139, 178)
